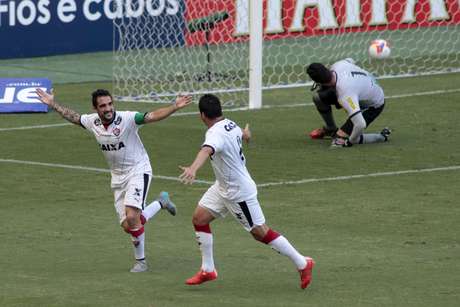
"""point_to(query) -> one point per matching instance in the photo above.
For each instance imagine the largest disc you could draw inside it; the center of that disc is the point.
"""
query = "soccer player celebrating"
(234, 191)
(347, 86)
(118, 138)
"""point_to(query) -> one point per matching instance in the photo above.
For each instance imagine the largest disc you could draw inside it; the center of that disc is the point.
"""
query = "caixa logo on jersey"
(18, 95)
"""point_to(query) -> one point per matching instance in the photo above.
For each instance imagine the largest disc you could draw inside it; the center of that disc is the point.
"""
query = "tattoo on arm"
(148, 117)
(67, 114)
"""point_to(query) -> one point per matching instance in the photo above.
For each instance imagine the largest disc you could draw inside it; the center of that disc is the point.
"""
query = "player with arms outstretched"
(117, 135)
(234, 191)
(352, 88)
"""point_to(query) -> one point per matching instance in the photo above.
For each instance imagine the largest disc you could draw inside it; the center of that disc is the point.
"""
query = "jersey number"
(240, 144)
(358, 73)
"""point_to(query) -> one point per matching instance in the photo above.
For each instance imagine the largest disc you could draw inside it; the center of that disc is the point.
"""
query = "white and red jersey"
(120, 143)
(228, 162)
(356, 88)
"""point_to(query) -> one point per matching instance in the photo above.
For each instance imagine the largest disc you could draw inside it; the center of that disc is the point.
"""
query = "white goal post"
(240, 48)
(255, 54)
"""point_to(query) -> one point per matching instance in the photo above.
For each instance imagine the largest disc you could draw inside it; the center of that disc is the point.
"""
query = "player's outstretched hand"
(247, 133)
(45, 97)
(183, 101)
(188, 175)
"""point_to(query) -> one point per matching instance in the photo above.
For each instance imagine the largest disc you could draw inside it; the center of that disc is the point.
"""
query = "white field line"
(340, 178)
(262, 185)
(35, 127)
(308, 104)
(423, 93)
(86, 168)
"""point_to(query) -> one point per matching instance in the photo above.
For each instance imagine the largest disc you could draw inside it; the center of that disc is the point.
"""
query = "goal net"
(202, 46)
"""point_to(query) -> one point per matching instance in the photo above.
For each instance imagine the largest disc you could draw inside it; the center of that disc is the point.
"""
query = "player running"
(234, 191)
(350, 87)
(117, 135)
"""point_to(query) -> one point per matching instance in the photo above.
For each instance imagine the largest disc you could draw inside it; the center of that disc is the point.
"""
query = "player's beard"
(108, 116)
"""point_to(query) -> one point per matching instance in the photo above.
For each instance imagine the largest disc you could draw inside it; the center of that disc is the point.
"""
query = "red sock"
(136, 233)
(270, 236)
(202, 228)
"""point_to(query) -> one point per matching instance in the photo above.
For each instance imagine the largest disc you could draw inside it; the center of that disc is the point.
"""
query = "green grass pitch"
(378, 240)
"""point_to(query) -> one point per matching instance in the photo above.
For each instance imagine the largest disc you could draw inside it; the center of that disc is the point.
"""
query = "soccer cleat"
(385, 133)
(139, 266)
(317, 133)
(166, 203)
(322, 132)
(201, 277)
(305, 274)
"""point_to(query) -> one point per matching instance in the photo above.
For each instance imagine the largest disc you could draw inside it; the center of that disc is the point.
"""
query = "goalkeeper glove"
(341, 142)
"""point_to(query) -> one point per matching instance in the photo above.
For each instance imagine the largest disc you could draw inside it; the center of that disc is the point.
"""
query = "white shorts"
(131, 193)
(248, 212)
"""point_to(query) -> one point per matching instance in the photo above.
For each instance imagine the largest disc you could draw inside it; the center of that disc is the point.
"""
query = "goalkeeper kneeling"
(352, 88)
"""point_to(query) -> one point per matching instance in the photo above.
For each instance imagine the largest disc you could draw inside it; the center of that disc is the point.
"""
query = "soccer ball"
(379, 49)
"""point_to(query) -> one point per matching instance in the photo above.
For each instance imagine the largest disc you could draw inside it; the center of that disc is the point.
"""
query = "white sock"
(369, 138)
(138, 244)
(204, 240)
(282, 246)
(151, 210)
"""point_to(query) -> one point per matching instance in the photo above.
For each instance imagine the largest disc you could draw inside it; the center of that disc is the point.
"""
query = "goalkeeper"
(350, 87)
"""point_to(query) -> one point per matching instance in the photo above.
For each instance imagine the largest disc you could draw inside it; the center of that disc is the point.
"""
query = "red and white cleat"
(305, 274)
(201, 277)
(318, 133)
